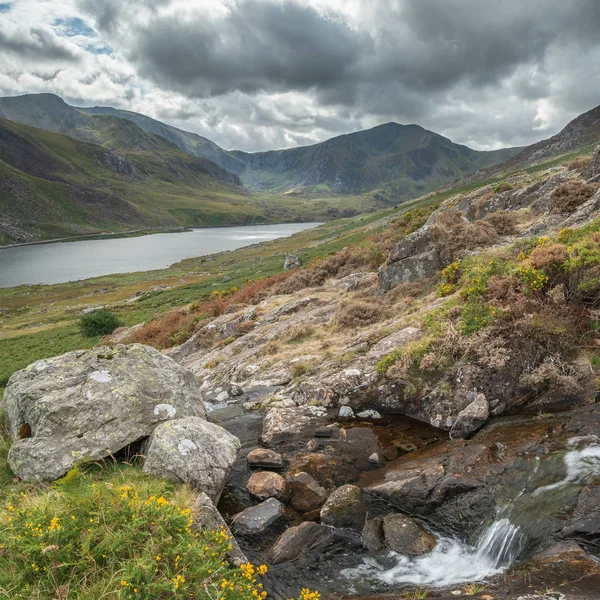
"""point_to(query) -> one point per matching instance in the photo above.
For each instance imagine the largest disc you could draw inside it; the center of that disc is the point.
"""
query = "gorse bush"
(123, 535)
(99, 322)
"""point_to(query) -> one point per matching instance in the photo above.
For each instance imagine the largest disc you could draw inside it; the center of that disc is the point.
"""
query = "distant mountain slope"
(405, 160)
(580, 133)
(402, 161)
(53, 186)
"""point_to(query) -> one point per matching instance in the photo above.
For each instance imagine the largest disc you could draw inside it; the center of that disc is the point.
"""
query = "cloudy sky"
(262, 74)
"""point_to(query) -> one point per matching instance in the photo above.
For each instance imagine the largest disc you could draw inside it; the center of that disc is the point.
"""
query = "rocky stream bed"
(515, 507)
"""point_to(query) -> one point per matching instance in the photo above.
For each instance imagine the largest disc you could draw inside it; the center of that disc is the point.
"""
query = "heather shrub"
(98, 322)
(298, 334)
(503, 222)
(580, 164)
(453, 234)
(358, 314)
(571, 194)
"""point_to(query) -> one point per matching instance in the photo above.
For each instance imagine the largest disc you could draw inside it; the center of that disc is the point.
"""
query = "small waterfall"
(453, 562)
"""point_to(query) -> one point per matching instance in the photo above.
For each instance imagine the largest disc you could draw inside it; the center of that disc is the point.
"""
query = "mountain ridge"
(402, 160)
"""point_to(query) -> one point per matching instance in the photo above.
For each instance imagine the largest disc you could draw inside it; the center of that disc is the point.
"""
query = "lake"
(69, 261)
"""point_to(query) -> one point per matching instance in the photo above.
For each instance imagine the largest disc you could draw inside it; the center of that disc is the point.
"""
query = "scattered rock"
(369, 414)
(323, 432)
(193, 451)
(375, 459)
(405, 536)
(265, 458)
(344, 508)
(292, 261)
(306, 493)
(266, 484)
(346, 412)
(257, 519)
(472, 418)
(297, 541)
(88, 404)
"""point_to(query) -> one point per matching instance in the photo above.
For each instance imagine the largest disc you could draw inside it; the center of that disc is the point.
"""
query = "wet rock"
(323, 432)
(472, 418)
(265, 458)
(297, 541)
(306, 493)
(206, 517)
(92, 403)
(345, 412)
(372, 534)
(257, 519)
(405, 536)
(284, 423)
(192, 451)
(403, 445)
(410, 488)
(344, 508)
(266, 484)
(584, 525)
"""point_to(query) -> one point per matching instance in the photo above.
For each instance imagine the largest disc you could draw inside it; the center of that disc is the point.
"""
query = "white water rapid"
(453, 562)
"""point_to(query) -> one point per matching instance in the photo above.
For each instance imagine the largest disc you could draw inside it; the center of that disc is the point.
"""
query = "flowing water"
(505, 541)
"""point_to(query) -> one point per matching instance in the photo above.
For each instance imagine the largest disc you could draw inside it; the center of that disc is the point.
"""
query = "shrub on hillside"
(99, 322)
(571, 194)
(503, 186)
(580, 164)
(358, 314)
(453, 234)
(502, 221)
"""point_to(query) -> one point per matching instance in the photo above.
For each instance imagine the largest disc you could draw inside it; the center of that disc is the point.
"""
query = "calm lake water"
(68, 261)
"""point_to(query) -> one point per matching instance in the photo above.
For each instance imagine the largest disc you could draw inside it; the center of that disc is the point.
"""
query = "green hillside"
(54, 186)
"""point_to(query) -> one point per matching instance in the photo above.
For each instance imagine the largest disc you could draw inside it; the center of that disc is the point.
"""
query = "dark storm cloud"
(37, 44)
(257, 46)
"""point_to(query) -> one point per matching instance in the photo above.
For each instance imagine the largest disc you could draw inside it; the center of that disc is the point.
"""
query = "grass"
(41, 321)
(112, 531)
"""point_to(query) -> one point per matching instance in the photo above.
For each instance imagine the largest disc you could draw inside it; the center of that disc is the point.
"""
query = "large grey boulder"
(193, 451)
(412, 258)
(88, 404)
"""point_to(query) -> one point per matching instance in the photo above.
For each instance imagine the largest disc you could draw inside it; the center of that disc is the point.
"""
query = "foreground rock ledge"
(88, 404)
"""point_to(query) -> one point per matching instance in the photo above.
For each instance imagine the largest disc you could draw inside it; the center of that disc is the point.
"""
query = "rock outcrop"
(192, 450)
(88, 404)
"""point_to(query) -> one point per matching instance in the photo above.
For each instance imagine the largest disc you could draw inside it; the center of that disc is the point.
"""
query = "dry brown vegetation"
(503, 222)
(571, 194)
(453, 234)
(580, 164)
(359, 314)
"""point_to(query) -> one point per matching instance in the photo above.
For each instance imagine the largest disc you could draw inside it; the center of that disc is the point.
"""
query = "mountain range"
(66, 170)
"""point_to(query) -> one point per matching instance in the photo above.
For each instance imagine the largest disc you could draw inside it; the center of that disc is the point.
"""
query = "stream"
(521, 526)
